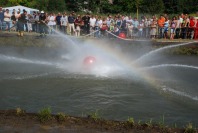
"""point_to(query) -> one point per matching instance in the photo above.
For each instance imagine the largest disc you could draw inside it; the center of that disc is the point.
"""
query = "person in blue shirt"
(71, 20)
(1, 18)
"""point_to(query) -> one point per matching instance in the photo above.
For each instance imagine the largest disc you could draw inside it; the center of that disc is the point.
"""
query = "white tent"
(29, 10)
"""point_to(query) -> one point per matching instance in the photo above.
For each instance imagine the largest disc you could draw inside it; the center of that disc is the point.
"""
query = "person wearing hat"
(42, 24)
(21, 23)
(1, 18)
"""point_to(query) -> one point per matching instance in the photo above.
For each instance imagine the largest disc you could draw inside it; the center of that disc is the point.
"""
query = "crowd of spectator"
(181, 26)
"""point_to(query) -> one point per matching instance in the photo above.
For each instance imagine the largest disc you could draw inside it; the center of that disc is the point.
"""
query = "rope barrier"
(124, 38)
(91, 33)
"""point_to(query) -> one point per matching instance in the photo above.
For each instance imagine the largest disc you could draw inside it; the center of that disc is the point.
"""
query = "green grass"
(45, 114)
(19, 111)
(95, 115)
(162, 122)
(150, 123)
(61, 116)
(189, 128)
(131, 120)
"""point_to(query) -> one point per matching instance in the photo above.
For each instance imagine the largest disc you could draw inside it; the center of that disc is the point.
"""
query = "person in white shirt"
(51, 23)
(7, 19)
(92, 22)
(64, 22)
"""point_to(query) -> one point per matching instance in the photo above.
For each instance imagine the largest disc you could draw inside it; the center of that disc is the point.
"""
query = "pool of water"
(34, 78)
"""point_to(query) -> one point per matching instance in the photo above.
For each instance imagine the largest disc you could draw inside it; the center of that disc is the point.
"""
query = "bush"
(45, 114)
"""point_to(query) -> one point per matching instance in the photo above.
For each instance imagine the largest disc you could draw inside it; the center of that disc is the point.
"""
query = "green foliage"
(139, 122)
(162, 122)
(43, 4)
(131, 120)
(103, 6)
(61, 116)
(95, 115)
(150, 123)
(152, 6)
(19, 111)
(56, 5)
(45, 114)
(189, 128)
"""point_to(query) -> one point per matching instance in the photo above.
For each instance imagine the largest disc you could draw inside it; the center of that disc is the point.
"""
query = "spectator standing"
(140, 28)
(173, 25)
(71, 20)
(192, 25)
(153, 30)
(34, 21)
(130, 30)
(21, 22)
(1, 18)
(30, 22)
(51, 23)
(58, 21)
(103, 27)
(64, 22)
(119, 22)
(78, 22)
(166, 27)
(42, 24)
(86, 20)
(135, 27)
(147, 24)
(17, 15)
(92, 22)
(13, 19)
(178, 28)
(160, 23)
(184, 28)
(7, 19)
(124, 25)
(97, 27)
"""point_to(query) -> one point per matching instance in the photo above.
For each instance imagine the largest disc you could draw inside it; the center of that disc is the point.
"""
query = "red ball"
(89, 60)
(122, 35)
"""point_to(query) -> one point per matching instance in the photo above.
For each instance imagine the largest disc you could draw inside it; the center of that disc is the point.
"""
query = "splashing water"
(180, 93)
(169, 65)
(158, 50)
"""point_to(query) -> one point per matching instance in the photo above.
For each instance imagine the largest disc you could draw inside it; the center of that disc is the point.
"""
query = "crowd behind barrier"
(182, 26)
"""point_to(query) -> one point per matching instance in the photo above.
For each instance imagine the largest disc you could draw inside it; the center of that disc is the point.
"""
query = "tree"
(105, 6)
(56, 5)
(152, 6)
(41, 4)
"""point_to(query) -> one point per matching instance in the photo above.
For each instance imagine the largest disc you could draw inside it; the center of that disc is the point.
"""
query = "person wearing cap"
(21, 23)
(1, 18)
(42, 24)
(7, 19)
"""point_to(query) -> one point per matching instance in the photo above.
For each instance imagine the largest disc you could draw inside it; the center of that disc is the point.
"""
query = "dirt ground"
(13, 122)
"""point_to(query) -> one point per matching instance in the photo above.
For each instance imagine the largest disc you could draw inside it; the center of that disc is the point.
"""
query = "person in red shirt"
(191, 28)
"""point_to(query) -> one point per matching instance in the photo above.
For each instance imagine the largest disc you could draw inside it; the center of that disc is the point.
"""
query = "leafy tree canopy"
(103, 6)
